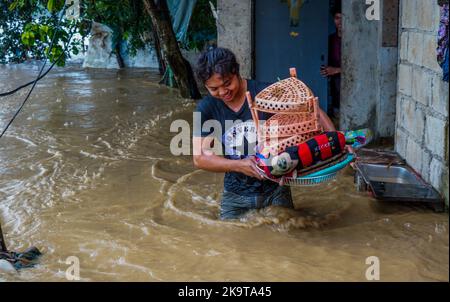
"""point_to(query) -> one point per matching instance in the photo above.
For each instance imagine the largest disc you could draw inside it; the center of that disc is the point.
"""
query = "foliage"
(11, 28)
(127, 19)
(27, 27)
(202, 28)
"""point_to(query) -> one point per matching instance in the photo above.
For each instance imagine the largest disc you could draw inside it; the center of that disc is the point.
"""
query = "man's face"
(338, 21)
(225, 88)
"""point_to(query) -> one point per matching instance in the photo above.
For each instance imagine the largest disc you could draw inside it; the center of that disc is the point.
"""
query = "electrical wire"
(39, 75)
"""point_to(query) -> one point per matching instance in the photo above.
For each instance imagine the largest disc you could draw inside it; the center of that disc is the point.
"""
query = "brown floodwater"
(86, 171)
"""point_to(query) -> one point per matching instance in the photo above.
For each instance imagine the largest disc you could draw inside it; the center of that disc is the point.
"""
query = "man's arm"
(328, 71)
(328, 125)
(205, 159)
(325, 121)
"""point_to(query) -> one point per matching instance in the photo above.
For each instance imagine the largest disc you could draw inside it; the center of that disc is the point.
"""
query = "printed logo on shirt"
(240, 140)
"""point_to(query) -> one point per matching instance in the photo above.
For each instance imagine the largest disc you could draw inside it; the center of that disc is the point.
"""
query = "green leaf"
(24, 38)
(51, 5)
(13, 6)
(44, 28)
(17, 4)
(28, 38)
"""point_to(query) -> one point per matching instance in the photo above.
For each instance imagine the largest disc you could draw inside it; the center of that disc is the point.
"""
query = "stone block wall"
(234, 31)
(422, 96)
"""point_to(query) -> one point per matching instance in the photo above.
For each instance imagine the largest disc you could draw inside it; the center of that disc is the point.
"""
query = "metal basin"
(384, 173)
(396, 184)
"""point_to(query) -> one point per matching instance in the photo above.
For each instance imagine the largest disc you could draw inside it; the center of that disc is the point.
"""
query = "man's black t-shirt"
(237, 134)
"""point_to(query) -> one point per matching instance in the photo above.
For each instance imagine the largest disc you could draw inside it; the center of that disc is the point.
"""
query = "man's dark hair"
(336, 9)
(216, 60)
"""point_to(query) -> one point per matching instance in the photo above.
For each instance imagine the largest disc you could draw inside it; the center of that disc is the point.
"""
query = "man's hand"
(328, 71)
(350, 149)
(248, 166)
(207, 159)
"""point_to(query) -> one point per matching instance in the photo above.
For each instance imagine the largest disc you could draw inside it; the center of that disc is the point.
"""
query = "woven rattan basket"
(286, 96)
(296, 117)
(286, 125)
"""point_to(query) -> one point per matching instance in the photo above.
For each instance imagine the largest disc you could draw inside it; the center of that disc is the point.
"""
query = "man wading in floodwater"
(244, 187)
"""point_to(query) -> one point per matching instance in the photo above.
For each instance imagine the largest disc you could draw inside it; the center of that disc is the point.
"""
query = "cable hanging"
(40, 75)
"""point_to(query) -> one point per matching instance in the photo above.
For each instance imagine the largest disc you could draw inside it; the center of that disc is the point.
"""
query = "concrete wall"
(387, 93)
(234, 31)
(369, 71)
(422, 100)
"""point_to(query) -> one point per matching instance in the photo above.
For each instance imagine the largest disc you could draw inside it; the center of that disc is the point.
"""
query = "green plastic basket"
(308, 181)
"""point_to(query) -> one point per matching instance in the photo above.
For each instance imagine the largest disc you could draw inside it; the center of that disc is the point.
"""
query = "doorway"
(283, 40)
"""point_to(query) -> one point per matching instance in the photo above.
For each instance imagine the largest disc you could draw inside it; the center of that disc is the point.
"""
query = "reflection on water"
(86, 171)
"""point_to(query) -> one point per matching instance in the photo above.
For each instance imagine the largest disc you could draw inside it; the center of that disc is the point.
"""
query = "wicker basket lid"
(288, 95)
